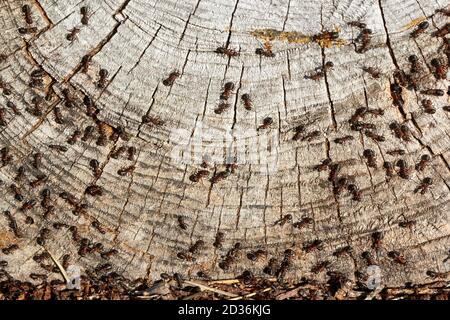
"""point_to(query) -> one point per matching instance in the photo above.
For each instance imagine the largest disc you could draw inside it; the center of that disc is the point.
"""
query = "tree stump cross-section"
(97, 95)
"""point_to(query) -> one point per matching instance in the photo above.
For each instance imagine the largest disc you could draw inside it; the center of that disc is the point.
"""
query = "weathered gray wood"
(140, 43)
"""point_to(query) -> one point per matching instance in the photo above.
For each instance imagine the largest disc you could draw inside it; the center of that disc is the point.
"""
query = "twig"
(373, 294)
(204, 287)
(288, 294)
(192, 296)
(233, 281)
(60, 267)
(251, 294)
(225, 281)
(147, 297)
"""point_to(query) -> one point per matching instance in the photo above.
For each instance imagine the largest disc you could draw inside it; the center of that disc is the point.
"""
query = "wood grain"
(140, 43)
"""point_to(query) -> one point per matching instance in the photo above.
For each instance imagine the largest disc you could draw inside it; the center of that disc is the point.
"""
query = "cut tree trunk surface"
(97, 128)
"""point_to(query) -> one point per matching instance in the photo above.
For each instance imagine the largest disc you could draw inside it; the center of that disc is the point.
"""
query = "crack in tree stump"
(88, 111)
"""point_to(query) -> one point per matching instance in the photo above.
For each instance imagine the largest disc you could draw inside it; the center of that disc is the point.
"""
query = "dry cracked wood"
(140, 43)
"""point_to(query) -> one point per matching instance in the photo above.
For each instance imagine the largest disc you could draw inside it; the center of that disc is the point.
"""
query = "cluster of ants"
(105, 132)
(401, 131)
(71, 36)
(217, 176)
(224, 96)
(28, 17)
(279, 268)
(341, 183)
(44, 259)
(35, 167)
(85, 14)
